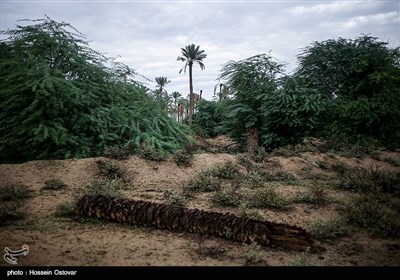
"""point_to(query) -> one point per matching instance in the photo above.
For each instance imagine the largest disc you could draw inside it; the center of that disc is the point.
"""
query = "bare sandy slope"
(62, 241)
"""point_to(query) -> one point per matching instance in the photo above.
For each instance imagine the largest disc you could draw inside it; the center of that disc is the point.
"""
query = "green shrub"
(268, 198)
(8, 212)
(316, 196)
(66, 209)
(366, 212)
(12, 192)
(371, 180)
(176, 198)
(228, 171)
(330, 229)
(183, 157)
(253, 254)
(150, 153)
(227, 197)
(110, 188)
(54, 184)
(202, 183)
(110, 170)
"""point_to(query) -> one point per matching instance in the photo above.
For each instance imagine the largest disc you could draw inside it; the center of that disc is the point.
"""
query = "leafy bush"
(208, 119)
(291, 113)
(360, 79)
(73, 101)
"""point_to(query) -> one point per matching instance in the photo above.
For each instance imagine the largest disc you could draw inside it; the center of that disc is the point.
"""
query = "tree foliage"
(250, 80)
(361, 80)
(290, 113)
(61, 99)
(209, 118)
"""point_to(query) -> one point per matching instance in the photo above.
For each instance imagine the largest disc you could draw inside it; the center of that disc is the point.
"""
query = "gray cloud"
(148, 35)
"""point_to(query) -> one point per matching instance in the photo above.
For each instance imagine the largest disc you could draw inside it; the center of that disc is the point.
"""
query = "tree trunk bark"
(252, 141)
(176, 218)
(191, 105)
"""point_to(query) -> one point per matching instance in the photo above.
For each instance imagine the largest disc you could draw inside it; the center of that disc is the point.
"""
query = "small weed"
(150, 153)
(268, 198)
(228, 171)
(183, 157)
(8, 212)
(302, 259)
(261, 155)
(340, 167)
(316, 196)
(13, 192)
(175, 198)
(294, 150)
(366, 212)
(228, 233)
(110, 188)
(371, 180)
(202, 183)
(251, 213)
(253, 254)
(245, 161)
(207, 250)
(66, 209)
(330, 229)
(54, 184)
(116, 153)
(110, 170)
(227, 197)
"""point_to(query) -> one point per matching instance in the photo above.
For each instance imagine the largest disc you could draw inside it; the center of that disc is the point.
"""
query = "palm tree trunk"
(252, 141)
(191, 105)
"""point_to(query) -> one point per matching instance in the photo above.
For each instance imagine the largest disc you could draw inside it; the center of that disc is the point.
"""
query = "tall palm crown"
(191, 54)
(161, 83)
(175, 96)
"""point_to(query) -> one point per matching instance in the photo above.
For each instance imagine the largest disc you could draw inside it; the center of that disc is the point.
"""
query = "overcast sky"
(148, 35)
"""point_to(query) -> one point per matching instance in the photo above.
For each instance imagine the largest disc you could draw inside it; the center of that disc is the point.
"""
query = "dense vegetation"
(347, 91)
(61, 99)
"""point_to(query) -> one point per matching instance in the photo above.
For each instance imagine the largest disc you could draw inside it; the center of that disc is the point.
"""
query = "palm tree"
(175, 96)
(161, 83)
(223, 91)
(191, 54)
(184, 103)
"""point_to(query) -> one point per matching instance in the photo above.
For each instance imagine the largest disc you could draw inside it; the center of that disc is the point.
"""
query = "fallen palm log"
(225, 225)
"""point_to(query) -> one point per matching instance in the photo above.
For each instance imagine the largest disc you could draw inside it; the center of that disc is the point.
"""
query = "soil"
(64, 241)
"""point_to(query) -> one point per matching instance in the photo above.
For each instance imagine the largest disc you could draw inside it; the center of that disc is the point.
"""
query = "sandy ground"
(63, 241)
